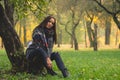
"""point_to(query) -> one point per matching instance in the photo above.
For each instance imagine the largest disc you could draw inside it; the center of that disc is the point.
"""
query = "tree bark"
(107, 32)
(95, 38)
(75, 40)
(9, 9)
(59, 38)
(89, 31)
(116, 21)
(85, 35)
(12, 44)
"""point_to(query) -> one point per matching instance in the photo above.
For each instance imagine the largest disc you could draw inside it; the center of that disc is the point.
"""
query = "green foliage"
(23, 8)
(82, 65)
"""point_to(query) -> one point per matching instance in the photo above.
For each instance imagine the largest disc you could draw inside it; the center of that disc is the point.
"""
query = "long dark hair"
(44, 23)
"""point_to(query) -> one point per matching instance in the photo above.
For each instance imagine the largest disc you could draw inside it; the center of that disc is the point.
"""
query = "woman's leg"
(59, 62)
(34, 59)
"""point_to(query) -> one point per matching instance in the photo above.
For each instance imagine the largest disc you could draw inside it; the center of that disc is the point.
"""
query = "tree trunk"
(75, 43)
(9, 9)
(116, 21)
(75, 40)
(89, 31)
(59, 38)
(94, 33)
(71, 41)
(107, 32)
(85, 36)
(12, 44)
(95, 37)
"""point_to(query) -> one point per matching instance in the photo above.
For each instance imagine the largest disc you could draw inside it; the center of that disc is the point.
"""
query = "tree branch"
(91, 18)
(104, 7)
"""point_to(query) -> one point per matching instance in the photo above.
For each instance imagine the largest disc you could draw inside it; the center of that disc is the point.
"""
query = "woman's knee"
(55, 55)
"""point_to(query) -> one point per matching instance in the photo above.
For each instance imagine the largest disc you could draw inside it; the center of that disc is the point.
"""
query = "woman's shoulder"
(38, 29)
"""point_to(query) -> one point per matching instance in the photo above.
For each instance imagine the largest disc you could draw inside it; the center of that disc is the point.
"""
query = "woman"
(44, 36)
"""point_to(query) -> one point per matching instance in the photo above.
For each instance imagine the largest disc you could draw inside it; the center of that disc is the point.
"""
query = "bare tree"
(73, 9)
(114, 12)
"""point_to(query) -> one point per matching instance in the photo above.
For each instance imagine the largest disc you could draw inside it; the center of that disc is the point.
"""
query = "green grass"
(82, 65)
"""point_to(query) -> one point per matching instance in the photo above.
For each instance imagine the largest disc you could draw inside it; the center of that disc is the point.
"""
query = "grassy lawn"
(82, 65)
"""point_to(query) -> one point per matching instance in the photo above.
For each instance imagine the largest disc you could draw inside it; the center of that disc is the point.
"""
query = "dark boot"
(60, 64)
(65, 73)
(51, 72)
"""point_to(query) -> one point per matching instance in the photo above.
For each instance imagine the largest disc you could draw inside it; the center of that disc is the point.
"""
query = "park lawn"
(82, 65)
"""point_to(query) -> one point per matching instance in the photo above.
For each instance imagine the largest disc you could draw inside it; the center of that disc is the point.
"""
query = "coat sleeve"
(39, 41)
(37, 36)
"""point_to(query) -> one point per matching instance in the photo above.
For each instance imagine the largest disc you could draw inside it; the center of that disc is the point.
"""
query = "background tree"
(92, 15)
(113, 9)
(69, 8)
(89, 29)
(107, 30)
(61, 10)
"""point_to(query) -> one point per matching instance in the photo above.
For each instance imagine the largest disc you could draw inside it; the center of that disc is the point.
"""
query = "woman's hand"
(49, 63)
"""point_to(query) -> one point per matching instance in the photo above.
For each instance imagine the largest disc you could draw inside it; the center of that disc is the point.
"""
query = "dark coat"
(42, 38)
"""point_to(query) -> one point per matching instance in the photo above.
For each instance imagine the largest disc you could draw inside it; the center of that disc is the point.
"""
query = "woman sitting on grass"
(44, 36)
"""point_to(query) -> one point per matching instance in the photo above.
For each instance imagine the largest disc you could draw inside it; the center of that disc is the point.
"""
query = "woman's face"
(50, 23)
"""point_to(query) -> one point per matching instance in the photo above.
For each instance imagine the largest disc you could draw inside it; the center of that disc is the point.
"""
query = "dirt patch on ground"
(83, 47)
